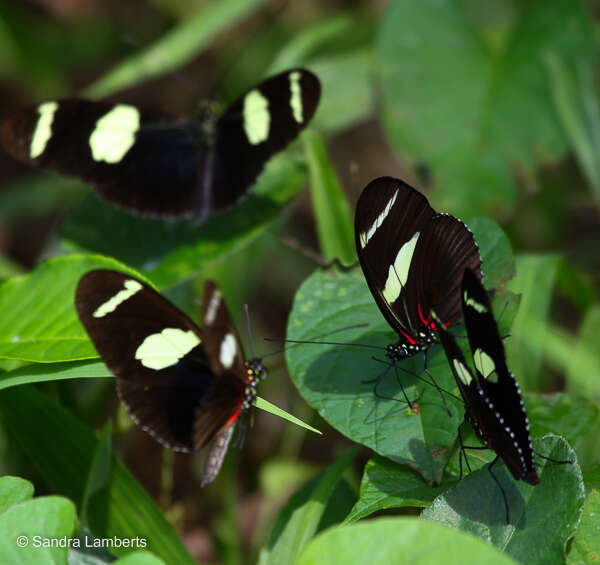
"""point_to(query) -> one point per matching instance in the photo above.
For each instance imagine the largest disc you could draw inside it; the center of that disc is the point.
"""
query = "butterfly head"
(255, 372)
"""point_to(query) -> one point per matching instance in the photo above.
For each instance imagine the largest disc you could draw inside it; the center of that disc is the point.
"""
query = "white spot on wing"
(485, 365)
(228, 351)
(398, 272)
(296, 96)
(212, 308)
(257, 118)
(166, 348)
(367, 235)
(114, 133)
(131, 287)
(463, 372)
(43, 128)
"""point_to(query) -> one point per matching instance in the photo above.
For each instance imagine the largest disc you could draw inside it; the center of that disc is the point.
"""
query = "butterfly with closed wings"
(145, 161)
(413, 259)
(184, 385)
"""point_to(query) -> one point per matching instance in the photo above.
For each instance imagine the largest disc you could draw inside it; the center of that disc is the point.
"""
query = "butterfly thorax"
(409, 345)
(255, 372)
(204, 122)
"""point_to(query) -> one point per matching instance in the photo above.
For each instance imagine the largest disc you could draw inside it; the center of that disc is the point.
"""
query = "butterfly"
(184, 385)
(145, 161)
(412, 258)
(493, 403)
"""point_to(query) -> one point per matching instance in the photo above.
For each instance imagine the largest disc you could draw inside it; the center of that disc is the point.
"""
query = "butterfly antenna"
(296, 342)
(249, 330)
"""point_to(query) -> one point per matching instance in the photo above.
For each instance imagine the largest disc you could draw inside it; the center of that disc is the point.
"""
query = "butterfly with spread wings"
(184, 385)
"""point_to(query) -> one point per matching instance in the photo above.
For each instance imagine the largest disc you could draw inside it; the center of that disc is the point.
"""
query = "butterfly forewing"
(256, 126)
(389, 221)
(159, 356)
(137, 158)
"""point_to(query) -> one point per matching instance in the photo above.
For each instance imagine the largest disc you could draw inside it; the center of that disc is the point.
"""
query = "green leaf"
(53, 372)
(396, 541)
(586, 543)
(62, 450)
(542, 517)
(38, 321)
(330, 207)
(141, 558)
(276, 411)
(14, 490)
(171, 252)
(33, 522)
(386, 484)
(576, 103)
(300, 518)
(535, 281)
(333, 379)
(578, 377)
(176, 48)
(460, 105)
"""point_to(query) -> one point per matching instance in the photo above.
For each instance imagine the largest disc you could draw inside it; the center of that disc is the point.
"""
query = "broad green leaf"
(25, 526)
(62, 450)
(14, 490)
(578, 376)
(38, 321)
(397, 541)
(176, 48)
(334, 379)
(586, 543)
(386, 484)
(577, 285)
(337, 380)
(542, 517)
(329, 203)
(171, 252)
(535, 281)
(139, 559)
(301, 516)
(460, 104)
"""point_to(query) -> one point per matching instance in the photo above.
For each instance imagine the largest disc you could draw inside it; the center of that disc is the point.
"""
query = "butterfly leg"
(434, 383)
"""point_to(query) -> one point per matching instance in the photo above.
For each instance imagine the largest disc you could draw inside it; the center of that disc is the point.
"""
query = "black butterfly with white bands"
(413, 259)
(146, 161)
(184, 385)
(493, 403)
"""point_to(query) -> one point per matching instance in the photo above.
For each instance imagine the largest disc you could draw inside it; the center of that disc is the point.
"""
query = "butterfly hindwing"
(159, 356)
(495, 379)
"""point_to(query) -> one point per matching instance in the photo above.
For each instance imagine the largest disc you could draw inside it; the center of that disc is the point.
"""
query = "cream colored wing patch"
(131, 287)
(164, 349)
(114, 133)
(398, 272)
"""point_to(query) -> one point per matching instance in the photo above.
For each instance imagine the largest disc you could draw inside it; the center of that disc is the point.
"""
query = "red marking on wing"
(235, 415)
(409, 339)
